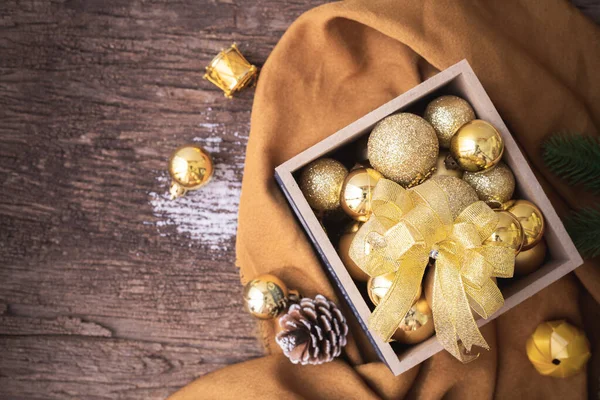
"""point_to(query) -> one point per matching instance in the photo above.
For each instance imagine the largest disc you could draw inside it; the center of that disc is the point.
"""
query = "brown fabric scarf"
(539, 62)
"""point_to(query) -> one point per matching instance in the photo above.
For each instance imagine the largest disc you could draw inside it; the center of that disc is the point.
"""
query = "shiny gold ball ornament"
(558, 349)
(508, 232)
(190, 167)
(357, 192)
(477, 146)
(447, 114)
(460, 194)
(321, 183)
(417, 324)
(404, 148)
(445, 166)
(378, 286)
(531, 219)
(530, 260)
(265, 297)
(495, 186)
(344, 251)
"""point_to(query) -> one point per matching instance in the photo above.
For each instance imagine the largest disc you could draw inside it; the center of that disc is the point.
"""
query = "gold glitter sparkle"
(403, 147)
(460, 194)
(494, 186)
(447, 114)
(321, 183)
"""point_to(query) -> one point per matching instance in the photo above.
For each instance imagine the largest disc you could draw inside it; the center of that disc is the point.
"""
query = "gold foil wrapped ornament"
(477, 146)
(266, 296)
(495, 186)
(531, 219)
(357, 191)
(447, 114)
(321, 183)
(344, 248)
(230, 71)
(404, 148)
(558, 349)
(530, 260)
(508, 232)
(446, 166)
(190, 167)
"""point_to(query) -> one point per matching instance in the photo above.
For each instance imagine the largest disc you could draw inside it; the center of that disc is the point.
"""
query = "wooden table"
(107, 288)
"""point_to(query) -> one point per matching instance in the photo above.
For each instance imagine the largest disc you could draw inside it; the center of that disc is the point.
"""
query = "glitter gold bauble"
(530, 260)
(444, 161)
(495, 186)
(321, 183)
(344, 251)
(460, 194)
(477, 146)
(447, 114)
(190, 167)
(357, 191)
(378, 286)
(558, 349)
(531, 219)
(508, 232)
(265, 297)
(417, 324)
(404, 148)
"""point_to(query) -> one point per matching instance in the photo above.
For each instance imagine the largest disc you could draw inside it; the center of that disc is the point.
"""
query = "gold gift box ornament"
(230, 71)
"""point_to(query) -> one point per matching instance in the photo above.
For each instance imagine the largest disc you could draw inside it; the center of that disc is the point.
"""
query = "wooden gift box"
(459, 80)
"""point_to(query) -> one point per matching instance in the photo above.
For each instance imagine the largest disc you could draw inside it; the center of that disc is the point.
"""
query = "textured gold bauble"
(321, 183)
(530, 260)
(447, 114)
(531, 219)
(477, 146)
(378, 286)
(495, 186)
(190, 167)
(508, 232)
(417, 324)
(404, 148)
(441, 166)
(344, 251)
(460, 194)
(357, 192)
(265, 297)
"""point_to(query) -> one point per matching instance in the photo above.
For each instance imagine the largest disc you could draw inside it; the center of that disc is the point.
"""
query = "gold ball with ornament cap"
(404, 148)
(447, 114)
(477, 146)
(321, 183)
(190, 167)
(266, 296)
(444, 164)
(357, 192)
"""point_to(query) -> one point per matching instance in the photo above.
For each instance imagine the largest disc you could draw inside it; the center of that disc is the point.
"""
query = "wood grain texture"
(107, 290)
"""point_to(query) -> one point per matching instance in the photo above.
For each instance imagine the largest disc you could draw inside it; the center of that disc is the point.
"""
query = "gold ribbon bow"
(409, 226)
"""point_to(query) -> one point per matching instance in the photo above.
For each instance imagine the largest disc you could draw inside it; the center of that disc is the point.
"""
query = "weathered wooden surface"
(107, 289)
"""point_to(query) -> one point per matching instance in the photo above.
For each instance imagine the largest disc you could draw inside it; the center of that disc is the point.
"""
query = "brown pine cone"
(313, 331)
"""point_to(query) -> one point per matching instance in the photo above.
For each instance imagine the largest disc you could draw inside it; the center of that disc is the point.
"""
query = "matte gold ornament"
(190, 167)
(508, 232)
(321, 183)
(558, 349)
(357, 191)
(477, 146)
(446, 166)
(531, 219)
(417, 325)
(447, 114)
(343, 250)
(530, 260)
(404, 148)
(230, 71)
(495, 186)
(460, 193)
(378, 286)
(265, 296)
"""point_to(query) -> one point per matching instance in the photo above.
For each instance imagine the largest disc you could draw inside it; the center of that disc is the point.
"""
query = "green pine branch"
(575, 158)
(584, 228)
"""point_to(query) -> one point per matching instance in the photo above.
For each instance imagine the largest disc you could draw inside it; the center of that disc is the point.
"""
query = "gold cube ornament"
(230, 71)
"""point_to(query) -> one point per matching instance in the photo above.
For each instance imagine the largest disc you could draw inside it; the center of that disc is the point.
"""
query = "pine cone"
(313, 331)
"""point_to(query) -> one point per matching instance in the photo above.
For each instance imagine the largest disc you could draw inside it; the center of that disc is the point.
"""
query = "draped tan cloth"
(539, 62)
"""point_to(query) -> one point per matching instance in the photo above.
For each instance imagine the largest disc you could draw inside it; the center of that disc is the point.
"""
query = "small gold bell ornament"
(321, 183)
(477, 146)
(558, 349)
(266, 296)
(357, 191)
(190, 167)
(230, 71)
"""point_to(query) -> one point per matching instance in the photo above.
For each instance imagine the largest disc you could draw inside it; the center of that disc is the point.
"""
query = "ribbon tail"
(399, 298)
